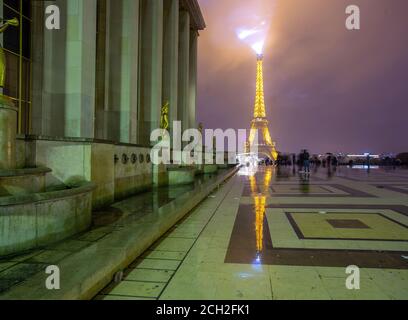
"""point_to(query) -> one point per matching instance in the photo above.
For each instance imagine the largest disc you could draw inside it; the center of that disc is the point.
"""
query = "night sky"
(326, 88)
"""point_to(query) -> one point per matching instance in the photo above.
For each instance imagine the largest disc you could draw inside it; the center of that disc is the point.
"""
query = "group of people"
(304, 160)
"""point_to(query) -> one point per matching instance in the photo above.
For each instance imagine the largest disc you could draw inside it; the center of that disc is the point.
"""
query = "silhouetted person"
(329, 159)
(329, 172)
(306, 161)
(300, 162)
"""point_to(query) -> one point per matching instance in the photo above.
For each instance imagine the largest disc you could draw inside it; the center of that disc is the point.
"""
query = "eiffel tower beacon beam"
(264, 145)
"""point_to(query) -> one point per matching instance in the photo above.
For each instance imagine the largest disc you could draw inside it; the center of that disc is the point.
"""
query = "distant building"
(260, 138)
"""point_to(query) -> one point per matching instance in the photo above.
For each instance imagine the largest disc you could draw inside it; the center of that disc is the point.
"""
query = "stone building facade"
(89, 94)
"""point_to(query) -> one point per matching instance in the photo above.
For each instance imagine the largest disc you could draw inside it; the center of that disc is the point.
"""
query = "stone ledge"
(7, 103)
(87, 272)
(181, 168)
(197, 19)
(84, 187)
(9, 173)
(79, 140)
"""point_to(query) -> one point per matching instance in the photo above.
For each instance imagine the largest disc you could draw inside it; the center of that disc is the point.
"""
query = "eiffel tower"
(265, 146)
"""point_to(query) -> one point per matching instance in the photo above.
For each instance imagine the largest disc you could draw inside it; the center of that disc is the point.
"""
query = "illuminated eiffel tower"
(265, 146)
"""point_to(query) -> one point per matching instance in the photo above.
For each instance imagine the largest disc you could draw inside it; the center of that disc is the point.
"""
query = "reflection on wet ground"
(269, 182)
(16, 269)
(277, 233)
(136, 207)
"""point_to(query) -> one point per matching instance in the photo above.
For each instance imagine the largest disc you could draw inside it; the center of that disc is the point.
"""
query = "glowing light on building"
(254, 30)
(264, 144)
(249, 164)
(258, 47)
(365, 155)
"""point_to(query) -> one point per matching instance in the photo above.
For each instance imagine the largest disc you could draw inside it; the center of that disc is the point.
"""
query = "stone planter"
(36, 220)
(18, 182)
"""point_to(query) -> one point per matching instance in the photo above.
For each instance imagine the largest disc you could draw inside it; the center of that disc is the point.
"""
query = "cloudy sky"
(326, 88)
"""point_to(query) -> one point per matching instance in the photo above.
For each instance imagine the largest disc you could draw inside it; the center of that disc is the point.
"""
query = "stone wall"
(133, 171)
(70, 161)
(117, 171)
(103, 174)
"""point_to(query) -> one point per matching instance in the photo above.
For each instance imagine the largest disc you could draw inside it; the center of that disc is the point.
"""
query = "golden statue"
(14, 23)
(164, 116)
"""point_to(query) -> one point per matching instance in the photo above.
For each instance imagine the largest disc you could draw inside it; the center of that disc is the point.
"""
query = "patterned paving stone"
(284, 235)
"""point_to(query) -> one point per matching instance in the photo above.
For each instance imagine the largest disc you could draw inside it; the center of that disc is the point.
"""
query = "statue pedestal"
(8, 130)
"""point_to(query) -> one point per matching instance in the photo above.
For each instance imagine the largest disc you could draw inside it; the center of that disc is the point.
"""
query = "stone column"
(8, 125)
(184, 66)
(170, 56)
(193, 79)
(1, 34)
(151, 50)
(122, 70)
(80, 71)
(64, 71)
(8, 130)
(41, 115)
(101, 70)
(170, 74)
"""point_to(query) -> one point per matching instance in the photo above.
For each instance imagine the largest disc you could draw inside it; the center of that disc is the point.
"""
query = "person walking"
(306, 161)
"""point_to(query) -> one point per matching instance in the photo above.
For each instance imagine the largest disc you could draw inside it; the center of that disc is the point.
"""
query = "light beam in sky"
(254, 36)
(253, 23)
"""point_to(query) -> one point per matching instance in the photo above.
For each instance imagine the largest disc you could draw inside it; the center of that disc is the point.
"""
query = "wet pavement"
(134, 213)
(275, 233)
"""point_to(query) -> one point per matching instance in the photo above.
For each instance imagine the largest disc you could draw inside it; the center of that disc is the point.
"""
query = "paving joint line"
(205, 226)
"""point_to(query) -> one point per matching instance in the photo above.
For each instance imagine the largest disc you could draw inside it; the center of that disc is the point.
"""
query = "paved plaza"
(279, 234)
